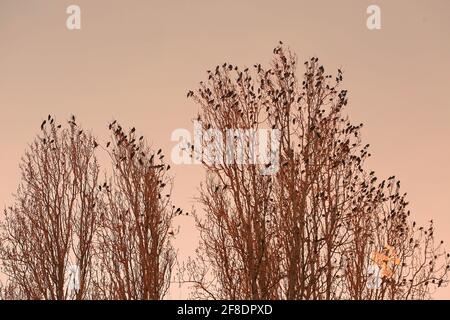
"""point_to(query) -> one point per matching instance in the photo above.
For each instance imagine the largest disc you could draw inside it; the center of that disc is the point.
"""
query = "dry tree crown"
(318, 227)
(52, 223)
(136, 257)
(71, 236)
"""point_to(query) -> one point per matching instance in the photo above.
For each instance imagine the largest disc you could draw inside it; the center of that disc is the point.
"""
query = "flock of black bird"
(128, 150)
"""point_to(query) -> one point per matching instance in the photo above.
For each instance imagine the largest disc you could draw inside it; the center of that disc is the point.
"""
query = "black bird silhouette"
(159, 151)
(107, 145)
(43, 124)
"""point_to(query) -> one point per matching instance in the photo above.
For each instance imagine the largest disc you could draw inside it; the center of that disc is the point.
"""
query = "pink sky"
(135, 60)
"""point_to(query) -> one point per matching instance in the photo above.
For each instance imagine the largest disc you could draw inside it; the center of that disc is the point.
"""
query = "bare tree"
(135, 258)
(51, 225)
(411, 265)
(317, 227)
